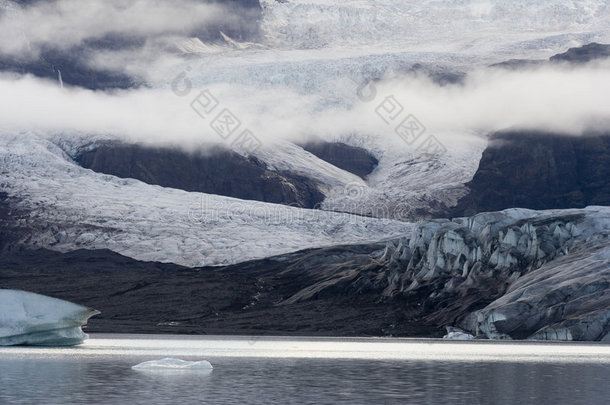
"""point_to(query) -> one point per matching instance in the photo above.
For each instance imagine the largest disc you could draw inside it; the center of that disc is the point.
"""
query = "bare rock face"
(574, 56)
(216, 171)
(539, 171)
(73, 62)
(355, 160)
(583, 54)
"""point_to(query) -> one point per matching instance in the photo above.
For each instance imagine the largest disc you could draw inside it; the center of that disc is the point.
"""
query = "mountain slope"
(65, 207)
(214, 170)
(511, 274)
(539, 171)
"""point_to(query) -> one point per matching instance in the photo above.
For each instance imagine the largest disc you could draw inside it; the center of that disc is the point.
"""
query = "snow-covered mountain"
(66, 207)
(453, 106)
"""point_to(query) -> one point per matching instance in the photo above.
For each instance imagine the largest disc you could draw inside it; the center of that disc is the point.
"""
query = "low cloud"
(553, 98)
(62, 24)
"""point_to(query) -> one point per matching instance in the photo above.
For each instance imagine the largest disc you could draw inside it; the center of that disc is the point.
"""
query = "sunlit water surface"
(307, 370)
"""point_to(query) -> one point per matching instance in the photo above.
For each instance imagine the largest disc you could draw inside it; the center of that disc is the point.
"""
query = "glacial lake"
(292, 370)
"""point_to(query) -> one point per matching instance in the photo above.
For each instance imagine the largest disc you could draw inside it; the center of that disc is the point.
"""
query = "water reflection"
(45, 378)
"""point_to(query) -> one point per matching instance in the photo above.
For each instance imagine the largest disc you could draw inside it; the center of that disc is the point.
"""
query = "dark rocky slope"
(353, 159)
(4, 219)
(73, 70)
(215, 171)
(583, 54)
(249, 298)
(573, 56)
(539, 171)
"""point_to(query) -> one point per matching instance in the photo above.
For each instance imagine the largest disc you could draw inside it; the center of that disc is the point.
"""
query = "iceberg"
(32, 319)
(458, 336)
(171, 364)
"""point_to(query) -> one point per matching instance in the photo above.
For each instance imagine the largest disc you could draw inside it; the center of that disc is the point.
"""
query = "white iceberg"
(32, 319)
(458, 336)
(171, 364)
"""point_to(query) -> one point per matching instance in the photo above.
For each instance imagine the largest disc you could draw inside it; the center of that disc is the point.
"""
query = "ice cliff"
(542, 275)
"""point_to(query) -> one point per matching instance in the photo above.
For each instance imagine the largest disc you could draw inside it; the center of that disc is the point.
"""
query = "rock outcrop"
(74, 62)
(574, 56)
(216, 171)
(353, 159)
(583, 54)
(539, 171)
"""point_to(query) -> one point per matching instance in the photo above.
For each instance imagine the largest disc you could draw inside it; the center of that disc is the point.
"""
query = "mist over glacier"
(487, 101)
(304, 77)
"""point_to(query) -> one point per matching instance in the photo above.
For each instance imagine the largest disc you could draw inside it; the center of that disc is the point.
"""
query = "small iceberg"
(171, 364)
(32, 319)
(457, 334)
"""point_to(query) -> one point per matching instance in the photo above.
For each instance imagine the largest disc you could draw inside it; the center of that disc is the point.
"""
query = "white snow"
(312, 43)
(474, 26)
(172, 364)
(74, 208)
(406, 183)
(31, 319)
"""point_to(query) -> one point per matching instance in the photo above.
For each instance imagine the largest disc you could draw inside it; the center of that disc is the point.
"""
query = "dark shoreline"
(244, 299)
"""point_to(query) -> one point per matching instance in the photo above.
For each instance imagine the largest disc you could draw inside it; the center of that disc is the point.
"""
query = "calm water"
(307, 371)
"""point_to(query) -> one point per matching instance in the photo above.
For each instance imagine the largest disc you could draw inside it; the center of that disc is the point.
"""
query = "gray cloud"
(557, 98)
(62, 24)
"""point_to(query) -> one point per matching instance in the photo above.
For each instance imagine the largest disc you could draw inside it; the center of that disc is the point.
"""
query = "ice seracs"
(542, 275)
(565, 299)
(32, 319)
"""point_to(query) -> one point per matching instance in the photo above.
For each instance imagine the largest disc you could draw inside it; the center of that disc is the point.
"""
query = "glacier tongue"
(68, 207)
(551, 270)
(31, 319)
(566, 299)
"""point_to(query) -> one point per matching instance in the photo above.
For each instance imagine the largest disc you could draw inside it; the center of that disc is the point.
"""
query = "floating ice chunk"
(171, 364)
(32, 319)
(458, 336)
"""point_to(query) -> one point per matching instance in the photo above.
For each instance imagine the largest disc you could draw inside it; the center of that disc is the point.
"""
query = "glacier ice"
(565, 299)
(153, 223)
(545, 274)
(458, 336)
(172, 364)
(32, 319)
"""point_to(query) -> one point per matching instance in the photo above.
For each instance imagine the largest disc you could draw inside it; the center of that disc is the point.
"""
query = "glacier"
(32, 319)
(65, 207)
(566, 299)
(544, 274)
